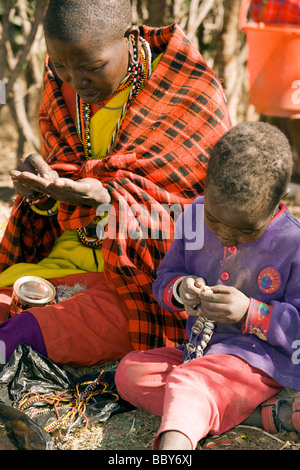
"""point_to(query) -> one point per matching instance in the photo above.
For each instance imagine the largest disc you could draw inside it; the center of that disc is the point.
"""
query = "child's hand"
(225, 305)
(189, 291)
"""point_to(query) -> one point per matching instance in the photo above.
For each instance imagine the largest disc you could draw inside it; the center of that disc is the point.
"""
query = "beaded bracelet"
(175, 293)
(46, 212)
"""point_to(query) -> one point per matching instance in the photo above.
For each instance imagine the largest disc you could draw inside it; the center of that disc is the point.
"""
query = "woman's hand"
(189, 291)
(88, 191)
(33, 164)
(225, 305)
(35, 177)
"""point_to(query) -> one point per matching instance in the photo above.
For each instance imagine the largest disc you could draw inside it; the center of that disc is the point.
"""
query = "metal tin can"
(31, 291)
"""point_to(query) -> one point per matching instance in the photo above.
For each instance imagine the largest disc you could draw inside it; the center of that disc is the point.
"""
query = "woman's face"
(231, 225)
(94, 71)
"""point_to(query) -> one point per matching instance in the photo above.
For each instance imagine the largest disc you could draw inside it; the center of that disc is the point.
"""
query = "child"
(240, 240)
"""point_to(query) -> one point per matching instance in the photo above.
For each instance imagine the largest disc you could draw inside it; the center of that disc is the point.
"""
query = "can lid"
(34, 289)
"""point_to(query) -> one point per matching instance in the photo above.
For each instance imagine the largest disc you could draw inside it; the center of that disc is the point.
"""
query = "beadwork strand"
(68, 405)
(137, 76)
(6, 220)
(203, 327)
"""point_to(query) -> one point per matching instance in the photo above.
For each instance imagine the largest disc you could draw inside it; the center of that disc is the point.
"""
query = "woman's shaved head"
(77, 20)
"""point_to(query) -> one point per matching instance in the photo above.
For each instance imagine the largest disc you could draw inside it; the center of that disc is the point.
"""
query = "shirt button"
(225, 276)
(232, 249)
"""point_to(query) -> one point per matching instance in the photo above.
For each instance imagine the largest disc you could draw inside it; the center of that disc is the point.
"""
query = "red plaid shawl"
(161, 157)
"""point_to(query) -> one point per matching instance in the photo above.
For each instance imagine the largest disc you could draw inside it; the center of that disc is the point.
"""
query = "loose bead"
(190, 347)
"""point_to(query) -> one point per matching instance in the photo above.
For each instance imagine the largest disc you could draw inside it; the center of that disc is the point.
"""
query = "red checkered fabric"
(276, 11)
(160, 160)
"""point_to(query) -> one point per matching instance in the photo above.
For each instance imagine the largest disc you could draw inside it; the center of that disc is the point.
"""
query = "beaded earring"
(135, 56)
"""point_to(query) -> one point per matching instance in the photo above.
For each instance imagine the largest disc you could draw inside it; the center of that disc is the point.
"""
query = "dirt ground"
(136, 429)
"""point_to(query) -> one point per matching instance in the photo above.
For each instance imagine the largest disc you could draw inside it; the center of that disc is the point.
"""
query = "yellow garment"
(69, 255)
(104, 122)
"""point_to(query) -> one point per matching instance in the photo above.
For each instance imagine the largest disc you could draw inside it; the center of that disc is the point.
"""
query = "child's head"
(248, 174)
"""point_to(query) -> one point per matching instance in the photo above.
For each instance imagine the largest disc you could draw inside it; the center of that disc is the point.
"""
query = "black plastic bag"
(31, 386)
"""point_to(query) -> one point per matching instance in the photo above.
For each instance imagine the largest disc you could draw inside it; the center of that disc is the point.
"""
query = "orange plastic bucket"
(273, 66)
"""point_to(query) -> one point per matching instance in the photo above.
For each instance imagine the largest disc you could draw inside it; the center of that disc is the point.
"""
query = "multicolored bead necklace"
(137, 76)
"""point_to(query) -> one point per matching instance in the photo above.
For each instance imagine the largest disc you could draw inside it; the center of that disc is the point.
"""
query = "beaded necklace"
(137, 76)
(204, 327)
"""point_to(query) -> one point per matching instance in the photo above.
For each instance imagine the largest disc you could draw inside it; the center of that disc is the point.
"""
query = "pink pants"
(209, 395)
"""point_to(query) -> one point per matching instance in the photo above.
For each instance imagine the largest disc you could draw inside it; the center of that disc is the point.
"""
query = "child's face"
(231, 225)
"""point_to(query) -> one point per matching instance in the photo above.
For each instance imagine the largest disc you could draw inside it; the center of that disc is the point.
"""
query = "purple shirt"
(266, 270)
